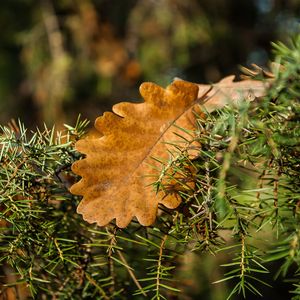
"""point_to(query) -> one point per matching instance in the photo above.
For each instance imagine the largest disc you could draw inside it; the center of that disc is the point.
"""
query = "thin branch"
(110, 260)
(97, 286)
(131, 273)
(159, 264)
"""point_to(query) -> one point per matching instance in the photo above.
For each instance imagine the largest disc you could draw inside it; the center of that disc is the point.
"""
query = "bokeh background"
(59, 58)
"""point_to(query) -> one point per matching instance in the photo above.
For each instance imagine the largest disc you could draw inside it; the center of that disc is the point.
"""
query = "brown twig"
(110, 261)
(131, 273)
(99, 288)
(159, 264)
(17, 168)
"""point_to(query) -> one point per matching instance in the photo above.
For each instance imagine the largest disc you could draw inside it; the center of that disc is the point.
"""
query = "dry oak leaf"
(119, 169)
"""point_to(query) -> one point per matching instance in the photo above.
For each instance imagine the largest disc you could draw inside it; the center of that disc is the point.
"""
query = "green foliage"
(243, 205)
(258, 145)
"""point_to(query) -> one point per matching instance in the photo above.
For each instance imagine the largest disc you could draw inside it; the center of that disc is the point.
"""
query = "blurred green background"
(59, 58)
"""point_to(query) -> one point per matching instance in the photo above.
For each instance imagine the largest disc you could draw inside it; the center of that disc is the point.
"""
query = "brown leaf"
(119, 169)
(227, 91)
